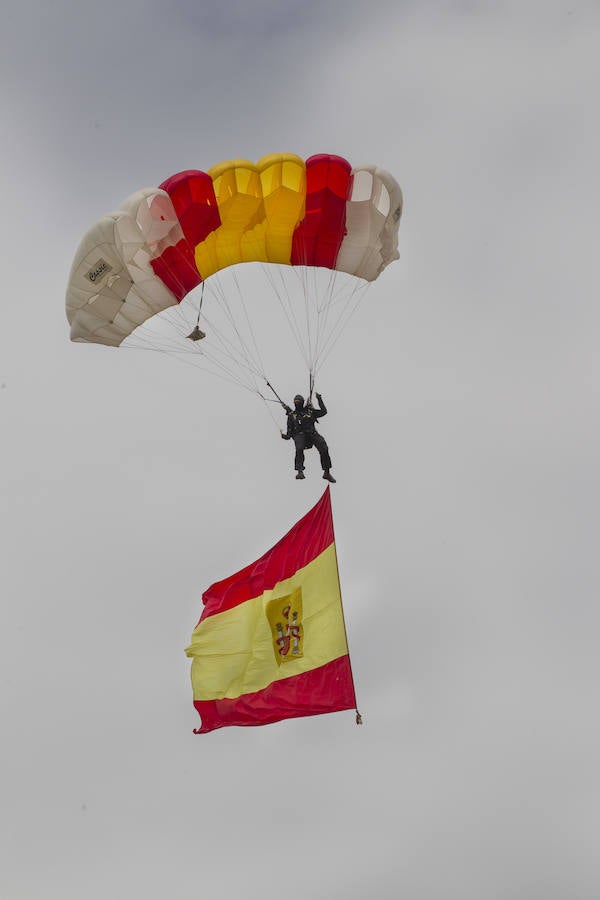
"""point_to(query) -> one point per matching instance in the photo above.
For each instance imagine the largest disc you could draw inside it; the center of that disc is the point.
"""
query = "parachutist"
(301, 422)
(196, 334)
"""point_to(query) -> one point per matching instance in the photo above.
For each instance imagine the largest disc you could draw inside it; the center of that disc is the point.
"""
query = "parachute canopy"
(163, 242)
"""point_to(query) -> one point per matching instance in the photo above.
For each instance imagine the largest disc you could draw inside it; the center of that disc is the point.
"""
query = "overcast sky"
(463, 425)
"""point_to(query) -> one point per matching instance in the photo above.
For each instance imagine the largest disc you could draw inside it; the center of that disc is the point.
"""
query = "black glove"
(318, 396)
(287, 409)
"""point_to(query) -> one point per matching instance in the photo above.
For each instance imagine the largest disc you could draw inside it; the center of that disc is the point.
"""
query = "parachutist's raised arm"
(322, 410)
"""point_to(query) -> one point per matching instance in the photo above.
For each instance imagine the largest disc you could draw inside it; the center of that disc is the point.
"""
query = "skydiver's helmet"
(298, 401)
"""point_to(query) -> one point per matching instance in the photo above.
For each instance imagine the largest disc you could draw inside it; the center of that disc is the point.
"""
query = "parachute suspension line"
(312, 299)
(308, 280)
(270, 411)
(200, 304)
(308, 322)
(329, 291)
(269, 385)
(335, 290)
(314, 315)
(233, 353)
(236, 359)
(262, 372)
(279, 400)
(351, 305)
(309, 292)
(227, 349)
(240, 368)
(317, 303)
(287, 306)
(146, 337)
(223, 302)
(217, 367)
(244, 351)
(322, 316)
(252, 361)
(235, 364)
(333, 332)
(324, 335)
(303, 277)
(190, 359)
(301, 339)
(249, 322)
(318, 300)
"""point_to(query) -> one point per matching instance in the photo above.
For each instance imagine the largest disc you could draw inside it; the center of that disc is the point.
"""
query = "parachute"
(135, 268)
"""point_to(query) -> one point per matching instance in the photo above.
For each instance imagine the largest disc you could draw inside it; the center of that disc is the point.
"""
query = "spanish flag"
(271, 642)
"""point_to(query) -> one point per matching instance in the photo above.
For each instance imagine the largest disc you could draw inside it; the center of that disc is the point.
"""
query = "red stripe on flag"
(304, 542)
(326, 689)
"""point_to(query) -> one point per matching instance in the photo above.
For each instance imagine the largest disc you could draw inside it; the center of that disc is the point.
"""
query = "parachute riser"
(311, 387)
(200, 304)
(269, 385)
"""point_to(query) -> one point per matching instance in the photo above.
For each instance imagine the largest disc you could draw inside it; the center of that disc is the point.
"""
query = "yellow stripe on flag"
(236, 652)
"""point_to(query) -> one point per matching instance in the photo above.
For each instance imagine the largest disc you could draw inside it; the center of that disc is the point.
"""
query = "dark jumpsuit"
(301, 428)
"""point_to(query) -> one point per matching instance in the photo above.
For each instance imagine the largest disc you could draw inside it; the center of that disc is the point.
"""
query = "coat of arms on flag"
(271, 641)
(285, 618)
